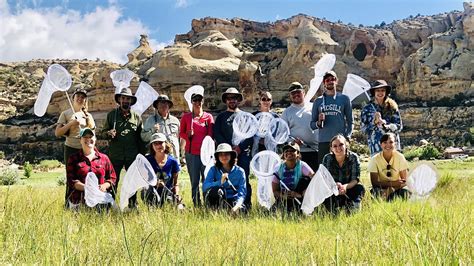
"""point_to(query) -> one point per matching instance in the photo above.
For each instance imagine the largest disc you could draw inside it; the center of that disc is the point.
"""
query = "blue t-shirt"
(171, 167)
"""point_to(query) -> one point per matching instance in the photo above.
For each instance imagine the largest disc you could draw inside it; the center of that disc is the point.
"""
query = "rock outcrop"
(427, 58)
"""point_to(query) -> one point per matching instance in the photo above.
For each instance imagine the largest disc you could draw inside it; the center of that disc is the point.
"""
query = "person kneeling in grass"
(388, 170)
(344, 167)
(225, 184)
(88, 159)
(167, 170)
(291, 178)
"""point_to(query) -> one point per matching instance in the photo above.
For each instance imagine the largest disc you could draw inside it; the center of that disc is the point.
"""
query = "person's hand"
(161, 183)
(391, 127)
(112, 133)
(342, 188)
(74, 122)
(236, 209)
(156, 128)
(293, 194)
(398, 183)
(104, 187)
(224, 178)
(190, 133)
(321, 117)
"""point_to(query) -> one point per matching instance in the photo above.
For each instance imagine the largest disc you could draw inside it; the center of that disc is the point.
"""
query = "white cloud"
(181, 3)
(63, 33)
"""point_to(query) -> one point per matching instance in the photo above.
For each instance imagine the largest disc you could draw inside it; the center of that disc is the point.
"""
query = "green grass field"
(34, 228)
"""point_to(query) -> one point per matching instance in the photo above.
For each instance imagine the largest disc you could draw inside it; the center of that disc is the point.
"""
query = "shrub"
(427, 152)
(359, 148)
(2, 155)
(61, 180)
(46, 165)
(28, 168)
(9, 177)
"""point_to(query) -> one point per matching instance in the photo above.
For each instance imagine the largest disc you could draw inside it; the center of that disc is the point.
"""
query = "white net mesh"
(422, 180)
(245, 125)
(57, 79)
(322, 186)
(146, 95)
(355, 86)
(92, 193)
(121, 79)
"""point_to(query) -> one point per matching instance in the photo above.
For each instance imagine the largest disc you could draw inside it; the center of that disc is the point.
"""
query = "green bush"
(61, 180)
(28, 168)
(2, 155)
(427, 152)
(46, 165)
(359, 148)
(9, 177)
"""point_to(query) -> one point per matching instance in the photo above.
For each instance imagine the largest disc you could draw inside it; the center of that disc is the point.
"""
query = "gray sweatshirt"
(298, 119)
(338, 111)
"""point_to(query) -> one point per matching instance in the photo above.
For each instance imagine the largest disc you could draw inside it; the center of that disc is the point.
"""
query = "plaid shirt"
(78, 166)
(349, 171)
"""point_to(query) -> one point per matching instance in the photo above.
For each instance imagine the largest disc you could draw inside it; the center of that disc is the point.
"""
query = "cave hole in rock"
(360, 52)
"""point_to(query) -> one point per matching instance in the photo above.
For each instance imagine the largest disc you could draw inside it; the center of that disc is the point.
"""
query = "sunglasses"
(231, 98)
(389, 173)
(265, 99)
(330, 79)
(295, 92)
(340, 145)
(290, 150)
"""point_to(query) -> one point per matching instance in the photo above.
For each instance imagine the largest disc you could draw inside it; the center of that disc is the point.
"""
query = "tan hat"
(295, 86)
(265, 94)
(162, 98)
(126, 92)
(380, 84)
(224, 147)
(232, 91)
(330, 73)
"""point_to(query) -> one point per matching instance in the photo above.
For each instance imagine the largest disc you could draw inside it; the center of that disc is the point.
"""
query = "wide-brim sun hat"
(380, 84)
(224, 148)
(163, 98)
(126, 92)
(232, 91)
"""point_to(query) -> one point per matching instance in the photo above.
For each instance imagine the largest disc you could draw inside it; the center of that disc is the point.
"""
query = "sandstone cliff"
(427, 58)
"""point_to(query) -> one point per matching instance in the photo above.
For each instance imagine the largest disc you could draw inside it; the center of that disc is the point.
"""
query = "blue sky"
(42, 26)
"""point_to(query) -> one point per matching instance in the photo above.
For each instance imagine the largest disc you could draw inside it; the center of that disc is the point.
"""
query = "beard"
(125, 106)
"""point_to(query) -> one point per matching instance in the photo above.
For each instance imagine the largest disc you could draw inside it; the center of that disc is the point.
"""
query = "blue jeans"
(196, 173)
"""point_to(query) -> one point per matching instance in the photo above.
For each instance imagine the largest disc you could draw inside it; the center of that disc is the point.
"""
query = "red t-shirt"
(202, 127)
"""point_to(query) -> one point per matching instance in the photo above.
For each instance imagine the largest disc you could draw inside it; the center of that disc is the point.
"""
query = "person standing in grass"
(291, 178)
(194, 127)
(123, 127)
(388, 170)
(225, 183)
(379, 116)
(163, 122)
(344, 167)
(265, 105)
(70, 123)
(167, 170)
(86, 160)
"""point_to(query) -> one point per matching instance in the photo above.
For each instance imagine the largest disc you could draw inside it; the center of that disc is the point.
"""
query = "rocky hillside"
(427, 58)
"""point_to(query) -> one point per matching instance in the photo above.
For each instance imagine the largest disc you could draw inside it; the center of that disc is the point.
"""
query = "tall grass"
(34, 228)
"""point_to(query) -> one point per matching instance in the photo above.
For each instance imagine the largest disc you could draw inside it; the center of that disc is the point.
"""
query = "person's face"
(88, 141)
(159, 146)
(380, 93)
(338, 147)
(330, 82)
(232, 101)
(197, 102)
(80, 98)
(297, 96)
(224, 157)
(125, 102)
(163, 108)
(388, 145)
(290, 154)
(265, 103)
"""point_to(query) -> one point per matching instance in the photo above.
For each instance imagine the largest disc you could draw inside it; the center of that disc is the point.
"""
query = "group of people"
(319, 134)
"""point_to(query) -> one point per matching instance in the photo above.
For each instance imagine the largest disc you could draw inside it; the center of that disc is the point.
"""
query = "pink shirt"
(202, 127)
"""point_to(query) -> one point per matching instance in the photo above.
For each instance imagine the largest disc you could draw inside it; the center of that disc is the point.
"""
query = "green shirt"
(127, 142)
